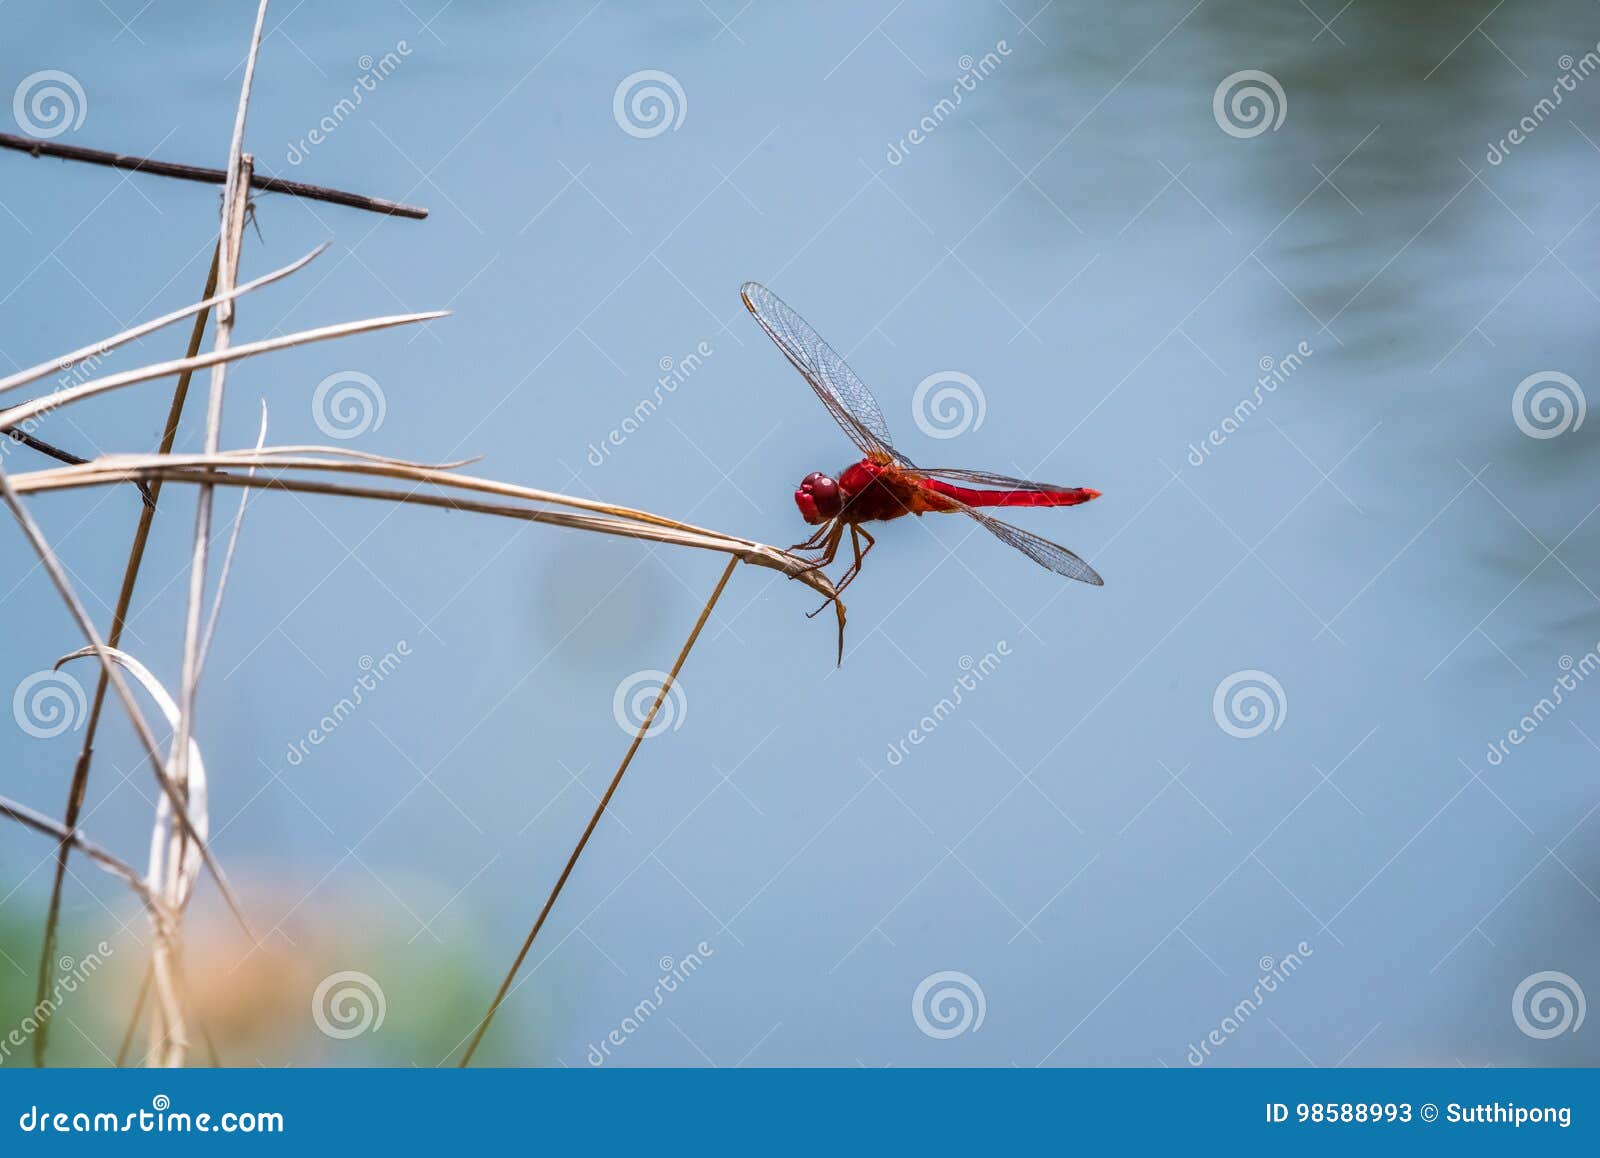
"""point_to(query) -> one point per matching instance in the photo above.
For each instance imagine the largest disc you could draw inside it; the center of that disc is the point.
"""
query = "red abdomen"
(1063, 497)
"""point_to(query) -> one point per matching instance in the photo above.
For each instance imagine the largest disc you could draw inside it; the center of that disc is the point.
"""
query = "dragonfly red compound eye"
(818, 498)
(822, 488)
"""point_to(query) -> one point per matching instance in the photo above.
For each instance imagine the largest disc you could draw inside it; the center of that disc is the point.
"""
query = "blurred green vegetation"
(257, 1008)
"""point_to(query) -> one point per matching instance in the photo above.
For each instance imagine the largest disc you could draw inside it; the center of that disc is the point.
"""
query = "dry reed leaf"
(166, 875)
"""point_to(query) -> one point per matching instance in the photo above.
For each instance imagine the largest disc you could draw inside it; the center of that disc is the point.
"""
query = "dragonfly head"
(818, 498)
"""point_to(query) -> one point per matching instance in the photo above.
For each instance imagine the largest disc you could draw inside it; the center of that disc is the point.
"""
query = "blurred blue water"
(1082, 238)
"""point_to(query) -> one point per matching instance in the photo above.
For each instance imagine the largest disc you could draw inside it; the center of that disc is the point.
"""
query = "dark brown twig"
(206, 176)
(51, 451)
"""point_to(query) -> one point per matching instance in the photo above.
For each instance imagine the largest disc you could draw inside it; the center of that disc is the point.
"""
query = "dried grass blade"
(25, 410)
(55, 365)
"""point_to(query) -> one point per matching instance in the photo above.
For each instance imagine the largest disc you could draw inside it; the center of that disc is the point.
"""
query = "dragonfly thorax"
(818, 498)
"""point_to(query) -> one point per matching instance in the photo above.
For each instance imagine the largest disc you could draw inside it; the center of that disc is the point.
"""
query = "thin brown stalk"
(207, 176)
(119, 619)
(230, 240)
(577, 851)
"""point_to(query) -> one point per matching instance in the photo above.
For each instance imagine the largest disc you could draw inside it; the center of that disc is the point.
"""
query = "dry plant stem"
(233, 546)
(67, 835)
(212, 1056)
(171, 873)
(169, 1029)
(23, 411)
(147, 740)
(207, 176)
(180, 882)
(119, 619)
(624, 521)
(127, 467)
(577, 851)
(133, 1019)
(139, 1000)
(160, 917)
(142, 996)
(228, 275)
(230, 237)
(105, 345)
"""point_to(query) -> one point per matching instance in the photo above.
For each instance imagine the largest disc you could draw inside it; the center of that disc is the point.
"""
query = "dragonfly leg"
(857, 533)
(829, 550)
(825, 542)
(815, 540)
(860, 553)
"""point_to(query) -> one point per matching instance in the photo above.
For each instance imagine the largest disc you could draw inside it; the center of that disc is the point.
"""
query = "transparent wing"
(988, 479)
(842, 391)
(1050, 556)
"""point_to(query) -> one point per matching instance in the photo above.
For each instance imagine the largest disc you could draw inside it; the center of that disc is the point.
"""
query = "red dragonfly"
(885, 484)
